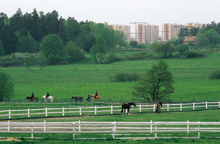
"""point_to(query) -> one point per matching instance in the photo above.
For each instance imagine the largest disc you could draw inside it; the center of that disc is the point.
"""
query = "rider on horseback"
(47, 95)
(32, 95)
(96, 94)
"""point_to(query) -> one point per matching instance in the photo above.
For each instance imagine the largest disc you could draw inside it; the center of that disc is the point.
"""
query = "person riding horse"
(47, 95)
(89, 98)
(32, 95)
(96, 94)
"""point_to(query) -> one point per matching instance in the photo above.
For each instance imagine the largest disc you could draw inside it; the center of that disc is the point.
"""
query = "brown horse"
(158, 107)
(77, 98)
(127, 106)
(96, 97)
(32, 99)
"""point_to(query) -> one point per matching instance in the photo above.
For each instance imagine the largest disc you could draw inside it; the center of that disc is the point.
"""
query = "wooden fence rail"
(97, 110)
(116, 130)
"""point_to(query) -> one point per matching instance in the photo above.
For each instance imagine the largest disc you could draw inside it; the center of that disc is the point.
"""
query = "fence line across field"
(96, 110)
(116, 130)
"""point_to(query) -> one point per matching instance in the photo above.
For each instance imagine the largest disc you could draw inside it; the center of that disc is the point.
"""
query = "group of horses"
(126, 106)
(76, 98)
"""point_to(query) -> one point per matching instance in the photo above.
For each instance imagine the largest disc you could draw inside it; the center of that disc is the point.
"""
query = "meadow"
(191, 81)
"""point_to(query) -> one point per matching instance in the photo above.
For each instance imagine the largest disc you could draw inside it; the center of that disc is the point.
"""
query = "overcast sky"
(123, 11)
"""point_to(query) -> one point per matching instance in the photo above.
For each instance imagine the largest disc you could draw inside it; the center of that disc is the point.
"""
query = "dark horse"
(159, 105)
(127, 106)
(77, 98)
(32, 99)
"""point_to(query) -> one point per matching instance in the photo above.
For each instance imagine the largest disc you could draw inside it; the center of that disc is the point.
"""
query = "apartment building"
(146, 33)
(125, 29)
(170, 31)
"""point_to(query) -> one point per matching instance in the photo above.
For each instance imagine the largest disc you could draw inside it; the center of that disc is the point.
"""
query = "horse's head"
(133, 104)
(160, 103)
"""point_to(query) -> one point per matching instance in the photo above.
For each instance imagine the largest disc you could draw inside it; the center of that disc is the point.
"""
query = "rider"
(89, 98)
(32, 95)
(96, 94)
(47, 95)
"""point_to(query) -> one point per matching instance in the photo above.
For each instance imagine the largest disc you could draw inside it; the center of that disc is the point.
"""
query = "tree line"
(57, 39)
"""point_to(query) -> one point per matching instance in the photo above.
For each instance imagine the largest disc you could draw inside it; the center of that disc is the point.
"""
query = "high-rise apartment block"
(125, 29)
(170, 31)
(197, 25)
(145, 33)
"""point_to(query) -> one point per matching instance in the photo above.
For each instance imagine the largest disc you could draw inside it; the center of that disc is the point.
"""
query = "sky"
(123, 11)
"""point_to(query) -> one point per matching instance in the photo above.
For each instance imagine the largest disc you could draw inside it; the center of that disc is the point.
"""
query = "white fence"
(98, 110)
(116, 130)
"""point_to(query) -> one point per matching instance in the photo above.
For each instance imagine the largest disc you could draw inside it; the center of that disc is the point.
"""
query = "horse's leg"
(128, 111)
(121, 110)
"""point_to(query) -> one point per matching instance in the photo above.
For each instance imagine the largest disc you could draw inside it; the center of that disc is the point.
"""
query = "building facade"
(125, 29)
(170, 31)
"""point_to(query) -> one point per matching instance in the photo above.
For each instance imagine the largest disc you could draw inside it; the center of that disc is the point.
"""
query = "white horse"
(49, 98)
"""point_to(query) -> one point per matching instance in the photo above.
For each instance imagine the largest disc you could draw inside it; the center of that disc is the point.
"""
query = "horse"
(77, 98)
(127, 106)
(95, 97)
(32, 99)
(49, 98)
(158, 107)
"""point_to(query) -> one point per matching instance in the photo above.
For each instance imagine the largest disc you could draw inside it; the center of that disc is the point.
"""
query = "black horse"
(159, 105)
(77, 98)
(127, 106)
(32, 99)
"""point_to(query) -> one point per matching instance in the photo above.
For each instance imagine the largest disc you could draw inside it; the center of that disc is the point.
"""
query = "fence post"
(79, 126)
(9, 114)
(95, 110)
(193, 106)
(154, 107)
(73, 130)
(112, 109)
(28, 113)
(32, 130)
(140, 108)
(155, 130)
(63, 111)
(44, 126)
(219, 104)
(168, 107)
(206, 105)
(198, 129)
(151, 126)
(187, 126)
(80, 110)
(113, 129)
(8, 126)
(46, 112)
(181, 107)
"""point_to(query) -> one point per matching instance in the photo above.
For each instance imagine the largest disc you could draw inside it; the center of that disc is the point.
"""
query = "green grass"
(63, 81)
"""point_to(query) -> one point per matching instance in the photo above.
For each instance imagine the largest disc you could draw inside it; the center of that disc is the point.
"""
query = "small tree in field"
(6, 87)
(156, 83)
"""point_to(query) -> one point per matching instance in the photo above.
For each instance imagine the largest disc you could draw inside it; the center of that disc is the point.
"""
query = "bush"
(191, 54)
(215, 75)
(137, 56)
(6, 87)
(125, 77)
(100, 58)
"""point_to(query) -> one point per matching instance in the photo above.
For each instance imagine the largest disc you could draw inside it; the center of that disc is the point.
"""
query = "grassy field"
(63, 81)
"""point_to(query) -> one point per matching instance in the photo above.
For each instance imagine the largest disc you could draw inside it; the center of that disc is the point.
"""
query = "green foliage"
(139, 55)
(156, 83)
(6, 87)
(125, 77)
(74, 53)
(133, 44)
(41, 61)
(100, 58)
(28, 62)
(208, 38)
(72, 28)
(99, 47)
(164, 49)
(27, 43)
(2, 51)
(53, 49)
(214, 75)
(182, 50)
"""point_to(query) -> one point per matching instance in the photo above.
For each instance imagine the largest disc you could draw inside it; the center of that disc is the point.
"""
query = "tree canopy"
(6, 87)
(156, 83)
